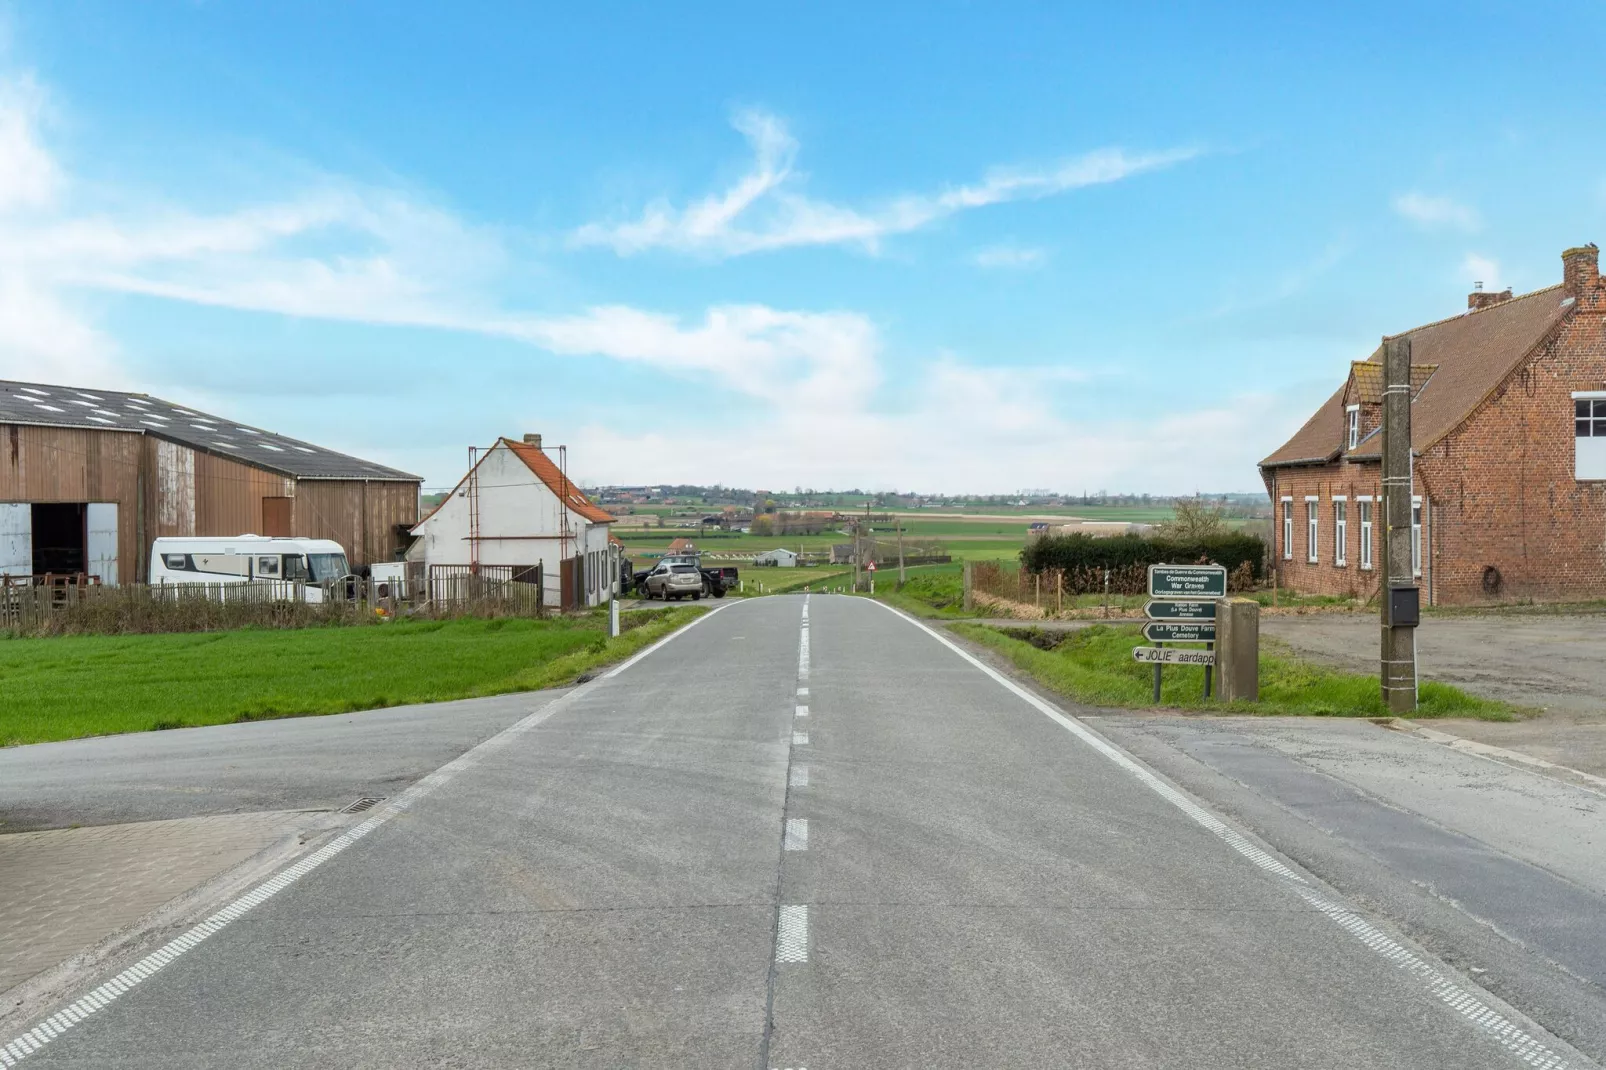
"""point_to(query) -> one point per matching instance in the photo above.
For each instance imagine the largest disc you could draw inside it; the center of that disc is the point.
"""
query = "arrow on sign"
(1180, 631)
(1180, 611)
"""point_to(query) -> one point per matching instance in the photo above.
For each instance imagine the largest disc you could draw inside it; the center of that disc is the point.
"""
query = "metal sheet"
(102, 544)
(16, 539)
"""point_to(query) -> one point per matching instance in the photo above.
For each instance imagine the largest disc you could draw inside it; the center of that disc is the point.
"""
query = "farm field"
(70, 687)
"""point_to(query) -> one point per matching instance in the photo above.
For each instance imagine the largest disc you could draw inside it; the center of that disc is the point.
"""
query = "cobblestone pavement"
(64, 890)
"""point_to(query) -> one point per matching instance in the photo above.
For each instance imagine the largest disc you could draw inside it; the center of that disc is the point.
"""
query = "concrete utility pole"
(1398, 597)
(901, 576)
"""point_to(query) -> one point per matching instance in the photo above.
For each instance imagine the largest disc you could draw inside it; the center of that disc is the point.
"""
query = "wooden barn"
(89, 477)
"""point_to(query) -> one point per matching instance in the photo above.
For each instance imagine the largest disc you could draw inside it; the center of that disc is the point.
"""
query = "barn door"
(16, 539)
(102, 544)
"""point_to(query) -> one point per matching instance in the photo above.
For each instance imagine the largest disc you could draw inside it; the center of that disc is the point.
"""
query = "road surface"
(805, 833)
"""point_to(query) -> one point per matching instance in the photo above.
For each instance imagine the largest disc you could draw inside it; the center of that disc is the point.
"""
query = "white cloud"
(763, 209)
(1481, 269)
(1009, 256)
(1437, 212)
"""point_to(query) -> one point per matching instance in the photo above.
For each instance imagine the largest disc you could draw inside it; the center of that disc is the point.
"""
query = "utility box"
(1404, 607)
(1238, 649)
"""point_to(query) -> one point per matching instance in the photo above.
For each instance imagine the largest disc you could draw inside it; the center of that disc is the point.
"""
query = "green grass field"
(1094, 666)
(65, 688)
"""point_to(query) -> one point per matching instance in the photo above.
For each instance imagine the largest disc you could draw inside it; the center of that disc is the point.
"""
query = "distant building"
(682, 546)
(777, 559)
(90, 477)
(517, 511)
(1508, 436)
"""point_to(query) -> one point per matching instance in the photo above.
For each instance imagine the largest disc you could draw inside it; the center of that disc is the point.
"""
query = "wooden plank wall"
(360, 516)
(65, 464)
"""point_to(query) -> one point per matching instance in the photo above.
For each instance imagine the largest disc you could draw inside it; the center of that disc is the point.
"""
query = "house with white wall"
(517, 507)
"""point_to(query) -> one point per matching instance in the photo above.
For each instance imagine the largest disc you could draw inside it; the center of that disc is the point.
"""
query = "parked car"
(715, 582)
(675, 582)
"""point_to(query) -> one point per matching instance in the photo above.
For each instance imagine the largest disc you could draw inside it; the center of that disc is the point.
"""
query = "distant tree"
(1194, 519)
(763, 524)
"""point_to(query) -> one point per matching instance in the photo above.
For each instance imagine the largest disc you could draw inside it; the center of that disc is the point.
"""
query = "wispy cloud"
(765, 210)
(1437, 212)
(1010, 256)
(1476, 268)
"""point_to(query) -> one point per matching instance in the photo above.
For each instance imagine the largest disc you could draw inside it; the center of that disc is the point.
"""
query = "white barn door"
(16, 539)
(102, 545)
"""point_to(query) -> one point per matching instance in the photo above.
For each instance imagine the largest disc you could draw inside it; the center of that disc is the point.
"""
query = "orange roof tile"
(566, 489)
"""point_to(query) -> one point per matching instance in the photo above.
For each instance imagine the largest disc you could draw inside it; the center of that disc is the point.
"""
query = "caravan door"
(101, 549)
(16, 539)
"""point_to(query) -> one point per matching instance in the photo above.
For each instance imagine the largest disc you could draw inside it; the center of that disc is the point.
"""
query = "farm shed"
(89, 477)
(517, 511)
(777, 558)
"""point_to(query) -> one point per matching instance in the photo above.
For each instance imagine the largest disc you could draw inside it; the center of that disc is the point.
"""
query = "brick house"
(1508, 433)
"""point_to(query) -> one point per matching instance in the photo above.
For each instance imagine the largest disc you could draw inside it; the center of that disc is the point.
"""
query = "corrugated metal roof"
(44, 405)
(1472, 352)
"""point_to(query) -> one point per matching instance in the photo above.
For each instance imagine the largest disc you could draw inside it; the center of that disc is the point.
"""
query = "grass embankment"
(66, 688)
(1094, 666)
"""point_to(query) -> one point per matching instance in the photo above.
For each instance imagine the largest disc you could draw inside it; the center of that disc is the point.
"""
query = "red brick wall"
(1342, 478)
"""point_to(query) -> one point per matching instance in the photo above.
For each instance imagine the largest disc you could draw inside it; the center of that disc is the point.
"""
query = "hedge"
(1080, 553)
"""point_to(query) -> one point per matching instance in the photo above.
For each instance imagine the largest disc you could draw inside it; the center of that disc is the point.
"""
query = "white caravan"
(298, 564)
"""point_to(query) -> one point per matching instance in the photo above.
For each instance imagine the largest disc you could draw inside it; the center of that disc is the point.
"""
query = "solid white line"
(147, 967)
(1505, 1032)
(792, 935)
(676, 634)
(797, 834)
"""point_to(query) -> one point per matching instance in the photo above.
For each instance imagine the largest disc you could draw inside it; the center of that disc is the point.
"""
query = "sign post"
(871, 569)
(1181, 609)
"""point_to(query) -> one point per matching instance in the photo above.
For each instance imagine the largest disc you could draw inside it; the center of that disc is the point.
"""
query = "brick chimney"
(1481, 298)
(533, 440)
(1581, 270)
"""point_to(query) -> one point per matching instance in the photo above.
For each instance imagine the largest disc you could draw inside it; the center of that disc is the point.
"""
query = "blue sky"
(941, 247)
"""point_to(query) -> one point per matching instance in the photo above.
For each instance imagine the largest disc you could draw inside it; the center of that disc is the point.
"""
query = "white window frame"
(1589, 451)
(1288, 529)
(1416, 534)
(1352, 418)
(1364, 508)
(1313, 527)
(1340, 530)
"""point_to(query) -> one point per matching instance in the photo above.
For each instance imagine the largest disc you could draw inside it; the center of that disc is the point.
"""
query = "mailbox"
(1405, 607)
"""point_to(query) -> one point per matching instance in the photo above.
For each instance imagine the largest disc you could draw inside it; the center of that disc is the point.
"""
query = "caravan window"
(177, 562)
(295, 567)
(268, 566)
(326, 568)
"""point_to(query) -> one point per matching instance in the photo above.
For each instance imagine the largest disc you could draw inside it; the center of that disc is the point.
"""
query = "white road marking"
(802, 692)
(792, 935)
(802, 711)
(800, 739)
(105, 994)
(800, 776)
(1504, 1032)
(797, 834)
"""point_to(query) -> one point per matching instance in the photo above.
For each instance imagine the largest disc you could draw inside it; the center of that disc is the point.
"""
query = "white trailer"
(300, 566)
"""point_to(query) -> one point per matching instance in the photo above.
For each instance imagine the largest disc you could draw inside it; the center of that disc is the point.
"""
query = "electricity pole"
(900, 552)
(1399, 603)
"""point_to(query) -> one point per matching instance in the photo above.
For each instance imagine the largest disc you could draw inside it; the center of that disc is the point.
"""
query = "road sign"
(1187, 581)
(1180, 631)
(1172, 656)
(1180, 611)
(871, 566)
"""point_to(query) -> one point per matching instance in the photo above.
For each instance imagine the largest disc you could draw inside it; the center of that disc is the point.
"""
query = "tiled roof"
(1366, 381)
(43, 405)
(1472, 352)
(566, 490)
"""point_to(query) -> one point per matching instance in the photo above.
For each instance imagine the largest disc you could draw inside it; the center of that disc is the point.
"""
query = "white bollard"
(613, 618)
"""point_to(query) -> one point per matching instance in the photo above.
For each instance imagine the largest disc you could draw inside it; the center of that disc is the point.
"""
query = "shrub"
(1083, 558)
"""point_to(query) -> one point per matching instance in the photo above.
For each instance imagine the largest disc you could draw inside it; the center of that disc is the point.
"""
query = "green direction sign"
(1180, 611)
(1187, 581)
(1169, 631)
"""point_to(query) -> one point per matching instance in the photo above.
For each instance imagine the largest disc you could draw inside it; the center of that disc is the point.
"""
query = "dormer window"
(1352, 416)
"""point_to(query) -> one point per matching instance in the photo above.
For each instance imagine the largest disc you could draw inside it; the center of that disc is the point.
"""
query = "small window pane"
(1581, 410)
(1581, 428)
(1600, 428)
(1600, 408)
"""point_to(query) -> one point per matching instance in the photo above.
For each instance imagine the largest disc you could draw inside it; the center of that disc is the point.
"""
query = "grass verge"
(70, 687)
(1094, 666)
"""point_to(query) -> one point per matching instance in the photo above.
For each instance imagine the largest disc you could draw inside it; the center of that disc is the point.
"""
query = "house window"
(1364, 508)
(1589, 434)
(1353, 415)
(1416, 536)
(1288, 529)
(1340, 530)
(1311, 533)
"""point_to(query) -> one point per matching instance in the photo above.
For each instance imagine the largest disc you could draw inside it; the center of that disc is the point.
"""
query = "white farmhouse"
(517, 509)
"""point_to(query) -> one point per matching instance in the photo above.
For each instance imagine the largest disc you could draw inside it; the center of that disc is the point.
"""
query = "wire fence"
(80, 605)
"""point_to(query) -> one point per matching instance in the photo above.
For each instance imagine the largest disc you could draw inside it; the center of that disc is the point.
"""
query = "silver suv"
(675, 580)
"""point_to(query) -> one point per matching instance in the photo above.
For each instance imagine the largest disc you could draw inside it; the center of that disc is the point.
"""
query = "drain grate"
(362, 804)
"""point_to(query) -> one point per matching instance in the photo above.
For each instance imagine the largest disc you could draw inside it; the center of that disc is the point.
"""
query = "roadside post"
(969, 601)
(1182, 609)
(613, 618)
(1400, 598)
(870, 568)
(1238, 649)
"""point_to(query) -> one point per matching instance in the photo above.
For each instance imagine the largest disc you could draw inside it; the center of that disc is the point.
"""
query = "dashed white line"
(1505, 1032)
(792, 935)
(802, 692)
(800, 776)
(800, 739)
(797, 834)
(802, 711)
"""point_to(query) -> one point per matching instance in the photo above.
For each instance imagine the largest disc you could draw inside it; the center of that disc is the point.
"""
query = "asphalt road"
(693, 863)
